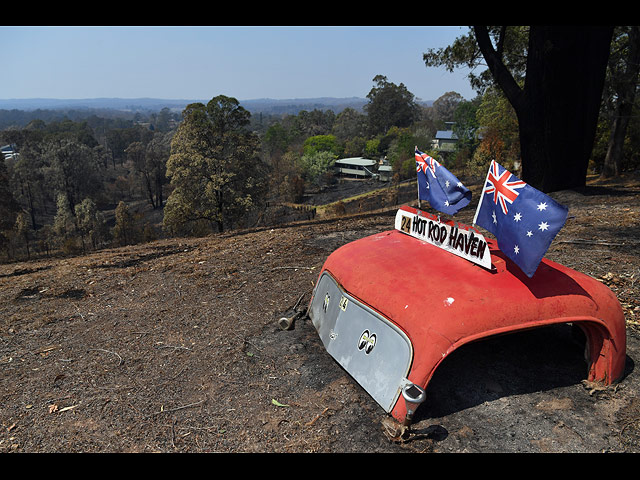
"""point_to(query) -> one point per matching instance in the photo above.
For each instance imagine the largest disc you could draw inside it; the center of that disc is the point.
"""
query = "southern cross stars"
(517, 217)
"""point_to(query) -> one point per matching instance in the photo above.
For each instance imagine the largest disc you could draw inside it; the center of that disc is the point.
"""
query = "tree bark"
(558, 106)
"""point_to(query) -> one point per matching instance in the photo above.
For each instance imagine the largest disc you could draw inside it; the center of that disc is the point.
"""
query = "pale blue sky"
(201, 62)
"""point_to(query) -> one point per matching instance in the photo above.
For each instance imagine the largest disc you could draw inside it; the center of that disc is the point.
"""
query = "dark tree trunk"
(558, 107)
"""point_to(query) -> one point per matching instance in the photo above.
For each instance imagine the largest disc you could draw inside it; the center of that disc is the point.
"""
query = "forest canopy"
(79, 180)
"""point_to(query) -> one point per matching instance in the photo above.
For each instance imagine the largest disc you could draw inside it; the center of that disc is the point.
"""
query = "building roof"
(446, 135)
(364, 162)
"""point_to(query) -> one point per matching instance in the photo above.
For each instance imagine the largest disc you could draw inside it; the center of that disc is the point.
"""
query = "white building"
(9, 152)
(356, 167)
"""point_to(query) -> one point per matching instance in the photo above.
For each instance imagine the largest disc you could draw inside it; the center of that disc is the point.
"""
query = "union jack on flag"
(424, 162)
(439, 186)
(524, 220)
(502, 187)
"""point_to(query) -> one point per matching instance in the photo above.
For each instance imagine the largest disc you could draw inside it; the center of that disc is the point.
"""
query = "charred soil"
(174, 346)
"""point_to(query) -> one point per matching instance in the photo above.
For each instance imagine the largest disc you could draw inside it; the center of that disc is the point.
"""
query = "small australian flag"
(439, 186)
(524, 220)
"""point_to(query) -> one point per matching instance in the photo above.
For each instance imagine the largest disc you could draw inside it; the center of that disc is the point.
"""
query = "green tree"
(512, 45)
(156, 156)
(73, 169)
(372, 148)
(162, 121)
(63, 223)
(321, 143)
(500, 134)
(150, 163)
(214, 169)
(354, 147)
(390, 105)
(286, 177)
(28, 175)
(64, 226)
(550, 75)
(349, 124)
(316, 164)
(118, 139)
(125, 231)
(22, 230)
(315, 122)
(444, 107)
(9, 207)
(90, 223)
(276, 139)
(401, 150)
(465, 128)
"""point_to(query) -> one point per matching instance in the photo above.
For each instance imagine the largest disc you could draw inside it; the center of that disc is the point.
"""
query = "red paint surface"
(443, 301)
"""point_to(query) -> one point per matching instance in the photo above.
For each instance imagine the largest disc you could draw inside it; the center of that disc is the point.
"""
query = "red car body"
(437, 302)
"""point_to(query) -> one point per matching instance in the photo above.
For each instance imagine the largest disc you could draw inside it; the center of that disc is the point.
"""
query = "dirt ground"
(174, 346)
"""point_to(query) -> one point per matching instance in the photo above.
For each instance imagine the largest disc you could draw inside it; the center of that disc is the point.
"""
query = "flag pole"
(418, 185)
(475, 217)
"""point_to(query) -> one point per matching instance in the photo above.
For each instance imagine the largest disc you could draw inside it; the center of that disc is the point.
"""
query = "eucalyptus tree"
(9, 207)
(214, 169)
(390, 105)
(553, 76)
(72, 169)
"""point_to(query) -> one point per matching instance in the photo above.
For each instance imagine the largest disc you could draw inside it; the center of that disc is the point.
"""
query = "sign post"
(461, 240)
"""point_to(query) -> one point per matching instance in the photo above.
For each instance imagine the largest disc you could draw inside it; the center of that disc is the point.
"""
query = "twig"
(107, 351)
(172, 378)
(293, 268)
(79, 312)
(630, 422)
(179, 408)
(175, 347)
(295, 307)
(593, 242)
(244, 340)
(309, 424)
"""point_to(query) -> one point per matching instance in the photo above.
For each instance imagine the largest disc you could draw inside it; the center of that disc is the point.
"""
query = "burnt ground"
(174, 346)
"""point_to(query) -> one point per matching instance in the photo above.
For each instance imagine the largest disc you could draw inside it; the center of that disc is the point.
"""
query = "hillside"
(173, 346)
(264, 105)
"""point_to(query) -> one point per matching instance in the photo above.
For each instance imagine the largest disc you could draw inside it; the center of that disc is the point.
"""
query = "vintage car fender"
(390, 308)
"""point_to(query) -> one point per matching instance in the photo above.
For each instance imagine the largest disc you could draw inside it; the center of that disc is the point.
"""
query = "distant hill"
(294, 105)
(127, 104)
(262, 105)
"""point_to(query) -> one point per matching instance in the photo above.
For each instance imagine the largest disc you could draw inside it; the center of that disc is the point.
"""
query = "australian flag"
(524, 220)
(439, 186)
